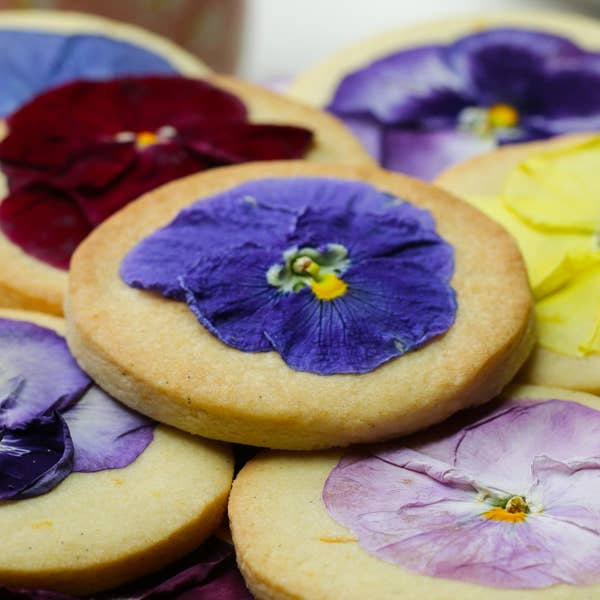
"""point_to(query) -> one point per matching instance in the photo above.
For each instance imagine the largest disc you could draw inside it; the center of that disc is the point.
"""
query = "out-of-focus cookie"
(326, 309)
(496, 502)
(73, 518)
(545, 194)
(426, 96)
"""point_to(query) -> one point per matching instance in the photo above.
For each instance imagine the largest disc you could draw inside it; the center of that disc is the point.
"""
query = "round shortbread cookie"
(26, 282)
(153, 354)
(289, 547)
(485, 176)
(98, 530)
(317, 84)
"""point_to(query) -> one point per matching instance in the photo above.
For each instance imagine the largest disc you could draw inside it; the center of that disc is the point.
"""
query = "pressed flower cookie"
(92, 495)
(299, 306)
(499, 502)
(77, 153)
(546, 195)
(424, 97)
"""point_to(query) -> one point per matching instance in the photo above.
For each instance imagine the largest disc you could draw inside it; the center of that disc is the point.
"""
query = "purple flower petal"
(369, 132)
(406, 87)
(391, 308)
(507, 65)
(228, 220)
(106, 434)
(425, 154)
(34, 458)
(441, 506)
(37, 373)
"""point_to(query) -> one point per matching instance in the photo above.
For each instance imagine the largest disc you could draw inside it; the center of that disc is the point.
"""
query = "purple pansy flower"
(420, 110)
(511, 499)
(52, 419)
(336, 276)
(208, 573)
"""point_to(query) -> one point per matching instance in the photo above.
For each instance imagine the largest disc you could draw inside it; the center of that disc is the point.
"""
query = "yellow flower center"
(143, 139)
(501, 514)
(503, 115)
(329, 287)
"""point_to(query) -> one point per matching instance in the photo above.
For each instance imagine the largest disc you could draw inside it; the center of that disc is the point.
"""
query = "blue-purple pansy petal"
(368, 131)
(391, 308)
(400, 228)
(37, 373)
(230, 295)
(228, 220)
(425, 154)
(406, 87)
(507, 65)
(106, 434)
(31, 62)
(35, 458)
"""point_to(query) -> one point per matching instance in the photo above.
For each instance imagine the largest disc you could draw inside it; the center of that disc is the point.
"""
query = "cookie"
(391, 522)
(423, 337)
(483, 181)
(97, 530)
(426, 96)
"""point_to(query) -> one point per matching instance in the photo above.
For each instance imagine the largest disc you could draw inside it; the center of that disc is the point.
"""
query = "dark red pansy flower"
(78, 153)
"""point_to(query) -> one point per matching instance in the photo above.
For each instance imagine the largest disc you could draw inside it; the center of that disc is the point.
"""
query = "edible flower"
(334, 275)
(550, 204)
(32, 62)
(507, 496)
(425, 108)
(52, 419)
(78, 153)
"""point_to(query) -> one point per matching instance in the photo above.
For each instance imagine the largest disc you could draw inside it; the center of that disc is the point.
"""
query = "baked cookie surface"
(98, 530)
(153, 354)
(486, 177)
(277, 503)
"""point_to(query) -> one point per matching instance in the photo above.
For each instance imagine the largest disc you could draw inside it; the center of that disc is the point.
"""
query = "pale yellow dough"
(153, 355)
(289, 548)
(96, 531)
(28, 283)
(486, 175)
(318, 84)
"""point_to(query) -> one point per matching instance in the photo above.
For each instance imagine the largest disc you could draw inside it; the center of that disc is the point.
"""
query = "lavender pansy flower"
(423, 109)
(511, 499)
(52, 419)
(336, 276)
(34, 61)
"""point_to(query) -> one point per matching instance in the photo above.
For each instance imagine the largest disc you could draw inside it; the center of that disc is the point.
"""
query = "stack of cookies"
(404, 370)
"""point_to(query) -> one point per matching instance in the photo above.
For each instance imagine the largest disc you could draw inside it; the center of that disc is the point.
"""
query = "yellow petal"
(552, 258)
(558, 190)
(568, 321)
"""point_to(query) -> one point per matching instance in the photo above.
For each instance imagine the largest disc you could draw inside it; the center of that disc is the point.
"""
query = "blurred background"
(267, 40)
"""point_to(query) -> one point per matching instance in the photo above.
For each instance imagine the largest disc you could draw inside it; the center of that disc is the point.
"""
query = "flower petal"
(503, 446)
(391, 307)
(231, 297)
(36, 458)
(506, 65)
(406, 87)
(106, 434)
(232, 143)
(369, 132)
(227, 220)
(33, 61)
(37, 373)
(425, 154)
(45, 223)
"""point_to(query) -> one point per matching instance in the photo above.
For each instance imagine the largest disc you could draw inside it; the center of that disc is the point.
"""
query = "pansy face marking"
(422, 109)
(336, 276)
(507, 496)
